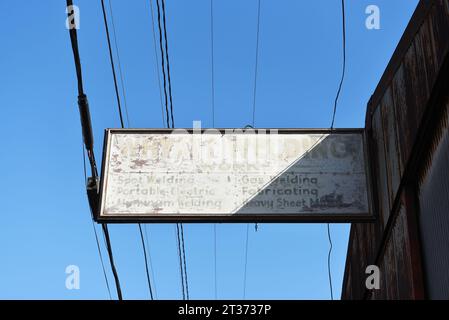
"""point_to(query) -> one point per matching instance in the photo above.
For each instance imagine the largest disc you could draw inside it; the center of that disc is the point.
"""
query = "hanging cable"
(343, 66)
(155, 60)
(121, 114)
(212, 60)
(184, 261)
(180, 262)
(95, 231)
(111, 59)
(170, 116)
(256, 64)
(163, 63)
(87, 126)
(150, 262)
(119, 64)
(213, 126)
(329, 237)
(168, 64)
(146, 262)
(246, 261)
(111, 259)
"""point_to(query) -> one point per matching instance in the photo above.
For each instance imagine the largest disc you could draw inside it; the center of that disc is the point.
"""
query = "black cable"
(212, 59)
(163, 63)
(111, 260)
(246, 260)
(168, 64)
(184, 260)
(120, 110)
(170, 115)
(329, 260)
(332, 127)
(150, 261)
(344, 64)
(180, 262)
(74, 42)
(111, 59)
(95, 232)
(87, 127)
(155, 60)
(256, 64)
(146, 262)
(122, 82)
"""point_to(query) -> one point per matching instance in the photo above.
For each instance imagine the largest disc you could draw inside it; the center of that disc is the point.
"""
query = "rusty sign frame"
(369, 216)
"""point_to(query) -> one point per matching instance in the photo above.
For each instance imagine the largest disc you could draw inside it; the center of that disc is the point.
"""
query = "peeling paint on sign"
(233, 173)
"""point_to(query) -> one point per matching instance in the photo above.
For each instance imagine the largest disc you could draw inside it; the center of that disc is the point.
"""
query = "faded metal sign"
(234, 175)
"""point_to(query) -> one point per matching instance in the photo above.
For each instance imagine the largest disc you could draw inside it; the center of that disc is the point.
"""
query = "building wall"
(407, 129)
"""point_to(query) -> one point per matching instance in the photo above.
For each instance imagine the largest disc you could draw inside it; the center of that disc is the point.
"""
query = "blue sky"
(45, 223)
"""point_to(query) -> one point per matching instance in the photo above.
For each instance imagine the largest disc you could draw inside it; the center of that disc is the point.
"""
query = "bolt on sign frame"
(234, 175)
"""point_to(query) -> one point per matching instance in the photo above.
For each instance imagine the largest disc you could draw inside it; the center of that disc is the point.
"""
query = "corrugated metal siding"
(434, 218)
(394, 124)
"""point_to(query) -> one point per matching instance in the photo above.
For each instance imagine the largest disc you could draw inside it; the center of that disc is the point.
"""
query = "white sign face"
(233, 174)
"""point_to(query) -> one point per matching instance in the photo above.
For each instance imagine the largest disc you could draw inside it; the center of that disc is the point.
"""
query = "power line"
(180, 261)
(256, 64)
(146, 262)
(155, 60)
(121, 114)
(212, 59)
(150, 261)
(87, 126)
(344, 64)
(163, 63)
(95, 232)
(168, 64)
(213, 125)
(122, 82)
(329, 237)
(246, 260)
(111, 59)
(170, 115)
(111, 259)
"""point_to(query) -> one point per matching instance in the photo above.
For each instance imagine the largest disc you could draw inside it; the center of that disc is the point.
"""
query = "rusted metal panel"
(380, 167)
(439, 23)
(398, 90)
(402, 256)
(394, 171)
(235, 174)
(414, 80)
(426, 57)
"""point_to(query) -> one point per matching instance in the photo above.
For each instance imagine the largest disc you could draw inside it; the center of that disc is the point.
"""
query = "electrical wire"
(95, 231)
(212, 60)
(168, 64)
(343, 66)
(256, 64)
(121, 115)
(111, 259)
(155, 60)
(163, 63)
(329, 237)
(111, 59)
(246, 261)
(180, 262)
(119, 64)
(87, 129)
(146, 262)
(170, 116)
(213, 126)
(150, 261)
